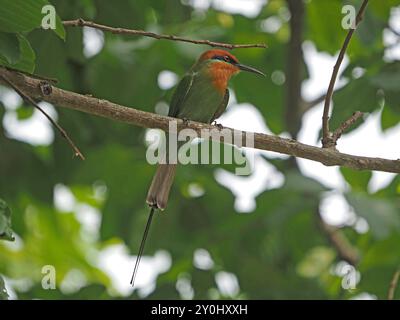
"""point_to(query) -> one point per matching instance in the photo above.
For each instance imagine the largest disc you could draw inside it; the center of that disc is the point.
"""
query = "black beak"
(249, 69)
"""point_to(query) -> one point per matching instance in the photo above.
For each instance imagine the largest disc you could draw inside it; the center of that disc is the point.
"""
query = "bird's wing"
(222, 106)
(180, 94)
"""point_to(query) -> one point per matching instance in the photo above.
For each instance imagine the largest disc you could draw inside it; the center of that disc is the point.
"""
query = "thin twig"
(397, 33)
(27, 98)
(345, 250)
(345, 125)
(326, 134)
(130, 115)
(83, 23)
(307, 105)
(393, 285)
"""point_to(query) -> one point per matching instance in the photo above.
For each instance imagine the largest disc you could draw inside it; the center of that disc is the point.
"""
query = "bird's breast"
(202, 100)
(220, 74)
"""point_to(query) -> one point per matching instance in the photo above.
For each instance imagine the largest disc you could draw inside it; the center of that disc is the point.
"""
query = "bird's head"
(221, 65)
(225, 60)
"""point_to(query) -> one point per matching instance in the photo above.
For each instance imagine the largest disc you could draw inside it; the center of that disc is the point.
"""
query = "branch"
(45, 90)
(393, 30)
(82, 23)
(396, 33)
(336, 237)
(307, 105)
(106, 109)
(393, 284)
(345, 125)
(326, 134)
(294, 68)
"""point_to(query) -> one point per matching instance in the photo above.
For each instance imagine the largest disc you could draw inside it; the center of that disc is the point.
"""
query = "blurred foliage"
(3, 292)
(276, 251)
(5, 222)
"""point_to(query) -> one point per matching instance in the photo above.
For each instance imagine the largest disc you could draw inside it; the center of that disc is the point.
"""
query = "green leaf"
(28, 57)
(357, 179)
(24, 16)
(382, 9)
(325, 29)
(381, 215)
(3, 292)
(60, 30)
(5, 222)
(388, 78)
(392, 100)
(9, 49)
(296, 182)
(20, 15)
(389, 118)
(380, 261)
(348, 99)
(24, 112)
(370, 30)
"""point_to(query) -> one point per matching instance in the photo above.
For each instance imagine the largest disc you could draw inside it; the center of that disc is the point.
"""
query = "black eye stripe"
(224, 58)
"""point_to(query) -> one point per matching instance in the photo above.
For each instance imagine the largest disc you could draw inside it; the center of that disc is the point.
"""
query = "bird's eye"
(227, 59)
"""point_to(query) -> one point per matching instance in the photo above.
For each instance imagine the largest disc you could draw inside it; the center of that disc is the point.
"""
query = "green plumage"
(196, 98)
(201, 96)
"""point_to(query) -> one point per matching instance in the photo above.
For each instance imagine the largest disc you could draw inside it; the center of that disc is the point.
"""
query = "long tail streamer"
(146, 231)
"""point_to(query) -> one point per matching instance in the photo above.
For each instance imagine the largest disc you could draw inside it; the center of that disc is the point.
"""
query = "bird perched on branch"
(202, 95)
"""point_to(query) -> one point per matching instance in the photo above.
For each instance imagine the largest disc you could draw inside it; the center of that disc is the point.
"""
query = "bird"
(202, 95)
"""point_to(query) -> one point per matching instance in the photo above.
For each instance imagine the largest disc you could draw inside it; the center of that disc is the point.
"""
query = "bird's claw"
(218, 125)
(185, 121)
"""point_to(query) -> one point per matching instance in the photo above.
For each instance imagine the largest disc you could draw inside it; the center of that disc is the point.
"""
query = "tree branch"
(83, 23)
(345, 125)
(327, 141)
(393, 30)
(294, 73)
(393, 285)
(307, 105)
(295, 109)
(106, 109)
(336, 237)
(45, 91)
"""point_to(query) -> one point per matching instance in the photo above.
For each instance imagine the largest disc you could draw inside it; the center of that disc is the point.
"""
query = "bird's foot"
(218, 125)
(185, 122)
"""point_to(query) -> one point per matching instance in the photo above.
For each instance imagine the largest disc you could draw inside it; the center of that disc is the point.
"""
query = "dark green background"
(278, 251)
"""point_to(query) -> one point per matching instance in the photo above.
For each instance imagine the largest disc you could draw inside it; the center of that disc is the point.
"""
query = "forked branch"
(327, 139)
(44, 88)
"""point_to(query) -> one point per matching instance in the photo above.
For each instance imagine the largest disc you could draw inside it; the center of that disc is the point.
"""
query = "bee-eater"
(202, 95)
